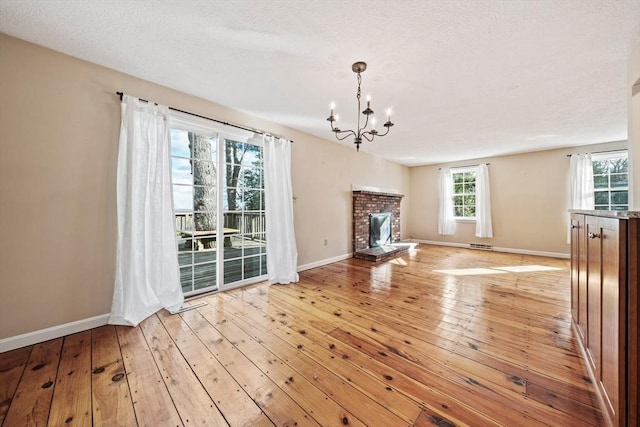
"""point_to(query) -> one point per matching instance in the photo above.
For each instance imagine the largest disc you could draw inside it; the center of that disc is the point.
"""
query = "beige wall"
(529, 201)
(633, 88)
(59, 124)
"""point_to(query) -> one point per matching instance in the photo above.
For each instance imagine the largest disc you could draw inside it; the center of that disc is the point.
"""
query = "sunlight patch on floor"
(497, 270)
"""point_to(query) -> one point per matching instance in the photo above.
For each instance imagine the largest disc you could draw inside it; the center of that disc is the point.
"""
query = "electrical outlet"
(326, 242)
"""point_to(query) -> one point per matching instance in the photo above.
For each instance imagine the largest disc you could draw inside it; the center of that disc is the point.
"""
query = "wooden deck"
(437, 337)
(241, 261)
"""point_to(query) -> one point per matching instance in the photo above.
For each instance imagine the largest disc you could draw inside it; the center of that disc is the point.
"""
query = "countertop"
(608, 214)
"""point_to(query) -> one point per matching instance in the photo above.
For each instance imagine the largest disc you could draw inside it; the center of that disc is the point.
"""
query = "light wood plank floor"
(439, 337)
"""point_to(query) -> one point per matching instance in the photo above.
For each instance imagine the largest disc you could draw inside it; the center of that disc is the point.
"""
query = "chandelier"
(360, 132)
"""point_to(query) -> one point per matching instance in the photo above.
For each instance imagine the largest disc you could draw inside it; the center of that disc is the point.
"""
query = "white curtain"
(147, 276)
(446, 223)
(580, 186)
(282, 254)
(483, 203)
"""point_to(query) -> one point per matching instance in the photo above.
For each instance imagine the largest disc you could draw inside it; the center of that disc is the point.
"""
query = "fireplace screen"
(379, 229)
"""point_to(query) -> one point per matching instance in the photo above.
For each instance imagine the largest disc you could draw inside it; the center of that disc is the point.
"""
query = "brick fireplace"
(368, 202)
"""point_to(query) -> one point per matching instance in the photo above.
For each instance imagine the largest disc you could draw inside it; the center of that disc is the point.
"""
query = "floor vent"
(481, 247)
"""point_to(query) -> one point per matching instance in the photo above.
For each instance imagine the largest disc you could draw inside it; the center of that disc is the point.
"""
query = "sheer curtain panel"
(446, 223)
(580, 186)
(282, 254)
(483, 203)
(147, 276)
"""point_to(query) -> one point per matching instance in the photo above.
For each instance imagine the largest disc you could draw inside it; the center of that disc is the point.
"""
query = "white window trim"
(463, 169)
(614, 155)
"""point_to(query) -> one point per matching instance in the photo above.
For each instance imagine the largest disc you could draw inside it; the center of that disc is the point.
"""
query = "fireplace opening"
(379, 229)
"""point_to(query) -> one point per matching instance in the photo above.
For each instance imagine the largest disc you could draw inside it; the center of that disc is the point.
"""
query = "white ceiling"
(465, 79)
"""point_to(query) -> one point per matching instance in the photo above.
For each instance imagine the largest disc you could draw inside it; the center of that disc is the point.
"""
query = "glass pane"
(457, 211)
(233, 199)
(204, 173)
(182, 198)
(184, 222)
(233, 222)
(469, 211)
(252, 200)
(470, 200)
(601, 197)
(470, 176)
(232, 245)
(263, 264)
(232, 271)
(457, 178)
(600, 167)
(600, 181)
(457, 200)
(204, 222)
(202, 256)
(252, 155)
(620, 207)
(458, 188)
(619, 197)
(252, 177)
(602, 207)
(204, 276)
(262, 241)
(180, 143)
(181, 171)
(185, 257)
(201, 146)
(186, 279)
(470, 188)
(619, 180)
(619, 165)
(253, 224)
(251, 267)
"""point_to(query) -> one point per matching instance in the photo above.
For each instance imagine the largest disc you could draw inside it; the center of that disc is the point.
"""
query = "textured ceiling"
(465, 79)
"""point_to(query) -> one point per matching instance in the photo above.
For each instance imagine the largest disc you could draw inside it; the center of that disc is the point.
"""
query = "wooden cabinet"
(604, 307)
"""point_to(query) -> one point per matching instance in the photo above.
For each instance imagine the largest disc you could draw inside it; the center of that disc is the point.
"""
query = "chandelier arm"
(365, 135)
(383, 134)
(347, 132)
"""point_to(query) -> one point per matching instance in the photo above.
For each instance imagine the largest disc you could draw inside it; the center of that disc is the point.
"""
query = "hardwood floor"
(399, 343)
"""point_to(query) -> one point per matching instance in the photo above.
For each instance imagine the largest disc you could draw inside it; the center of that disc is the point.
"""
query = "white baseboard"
(53, 332)
(497, 249)
(324, 262)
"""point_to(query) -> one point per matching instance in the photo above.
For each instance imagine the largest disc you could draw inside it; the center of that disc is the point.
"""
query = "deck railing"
(250, 224)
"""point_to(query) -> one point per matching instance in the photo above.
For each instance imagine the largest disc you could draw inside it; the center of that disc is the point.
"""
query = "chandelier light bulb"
(373, 123)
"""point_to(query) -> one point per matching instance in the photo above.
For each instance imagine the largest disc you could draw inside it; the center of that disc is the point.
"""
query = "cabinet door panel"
(612, 302)
(594, 296)
(575, 270)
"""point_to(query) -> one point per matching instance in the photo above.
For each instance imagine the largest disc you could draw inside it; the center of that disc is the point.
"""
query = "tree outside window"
(464, 193)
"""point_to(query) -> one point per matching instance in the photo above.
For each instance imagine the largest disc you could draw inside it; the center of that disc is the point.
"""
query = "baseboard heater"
(481, 247)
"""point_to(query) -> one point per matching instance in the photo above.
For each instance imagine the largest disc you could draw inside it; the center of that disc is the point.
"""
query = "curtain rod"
(121, 94)
(602, 152)
(469, 166)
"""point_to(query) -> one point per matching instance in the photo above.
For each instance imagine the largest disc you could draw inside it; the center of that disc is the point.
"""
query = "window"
(219, 207)
(464, 193)
(611, 181)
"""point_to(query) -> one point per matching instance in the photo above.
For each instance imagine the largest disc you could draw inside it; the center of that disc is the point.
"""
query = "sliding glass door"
(218, 196)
